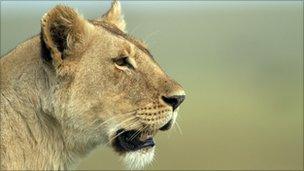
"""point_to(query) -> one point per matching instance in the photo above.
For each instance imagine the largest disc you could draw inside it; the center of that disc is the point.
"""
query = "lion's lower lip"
(130, 141)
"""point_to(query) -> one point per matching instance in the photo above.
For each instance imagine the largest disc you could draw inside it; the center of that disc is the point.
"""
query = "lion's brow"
(114, 30)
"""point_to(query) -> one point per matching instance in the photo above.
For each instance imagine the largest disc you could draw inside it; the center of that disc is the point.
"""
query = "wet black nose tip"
(174, 101)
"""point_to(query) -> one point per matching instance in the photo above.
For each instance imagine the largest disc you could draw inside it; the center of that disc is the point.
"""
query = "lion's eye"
(123, 62)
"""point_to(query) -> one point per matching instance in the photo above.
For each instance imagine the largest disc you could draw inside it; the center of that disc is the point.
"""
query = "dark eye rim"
(123, 61)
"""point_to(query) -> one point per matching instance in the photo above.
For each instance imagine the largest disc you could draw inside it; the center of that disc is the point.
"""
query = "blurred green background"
(240, 62)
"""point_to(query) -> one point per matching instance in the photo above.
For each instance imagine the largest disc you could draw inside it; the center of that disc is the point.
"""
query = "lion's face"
(134, 96)
(117, 89)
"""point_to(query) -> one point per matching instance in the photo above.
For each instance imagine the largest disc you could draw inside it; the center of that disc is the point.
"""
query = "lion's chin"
(136, 160)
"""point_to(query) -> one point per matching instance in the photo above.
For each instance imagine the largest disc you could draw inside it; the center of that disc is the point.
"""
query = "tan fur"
(114, 16)
(62, 93)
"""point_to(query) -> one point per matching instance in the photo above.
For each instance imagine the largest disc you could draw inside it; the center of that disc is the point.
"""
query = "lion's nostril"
(174, 101)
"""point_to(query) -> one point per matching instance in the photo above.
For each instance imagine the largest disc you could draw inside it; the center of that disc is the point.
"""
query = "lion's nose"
(174, 101)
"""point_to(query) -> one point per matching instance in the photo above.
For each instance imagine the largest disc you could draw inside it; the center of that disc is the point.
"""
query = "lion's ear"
(64, 31)
(114, 16)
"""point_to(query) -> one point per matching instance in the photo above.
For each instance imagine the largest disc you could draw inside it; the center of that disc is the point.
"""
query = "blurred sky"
(11, 10)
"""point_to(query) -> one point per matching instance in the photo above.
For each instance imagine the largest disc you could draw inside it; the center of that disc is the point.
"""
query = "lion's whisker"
(135, 134)
(116, 117)
(110, 140)
(178, 128)
(124, 121)
(132, 124)
(138, 132)
(120, 132)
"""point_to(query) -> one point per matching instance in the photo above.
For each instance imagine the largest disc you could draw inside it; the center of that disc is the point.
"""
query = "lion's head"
(108, 87)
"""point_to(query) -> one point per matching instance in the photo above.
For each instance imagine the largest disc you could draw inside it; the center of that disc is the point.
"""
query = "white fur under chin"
(138, 159)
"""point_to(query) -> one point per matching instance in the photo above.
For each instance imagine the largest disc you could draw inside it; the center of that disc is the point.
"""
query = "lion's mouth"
(132, 140)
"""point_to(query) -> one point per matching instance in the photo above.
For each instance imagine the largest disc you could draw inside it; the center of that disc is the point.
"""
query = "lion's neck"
(31, 137)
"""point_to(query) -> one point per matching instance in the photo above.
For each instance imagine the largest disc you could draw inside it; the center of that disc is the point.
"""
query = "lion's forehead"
(116, 31)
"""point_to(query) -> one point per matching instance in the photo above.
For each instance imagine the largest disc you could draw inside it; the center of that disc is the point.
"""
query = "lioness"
(79, 84)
